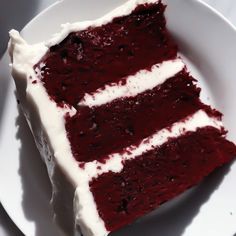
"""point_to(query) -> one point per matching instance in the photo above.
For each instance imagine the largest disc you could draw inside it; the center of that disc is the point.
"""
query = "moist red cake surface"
(159, 175)
(109, 128)
(90, 59)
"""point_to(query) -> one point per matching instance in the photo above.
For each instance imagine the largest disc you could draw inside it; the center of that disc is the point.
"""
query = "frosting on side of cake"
(54, 126)
(32, 91)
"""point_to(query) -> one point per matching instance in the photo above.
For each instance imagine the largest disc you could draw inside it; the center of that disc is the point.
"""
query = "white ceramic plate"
(208, 43)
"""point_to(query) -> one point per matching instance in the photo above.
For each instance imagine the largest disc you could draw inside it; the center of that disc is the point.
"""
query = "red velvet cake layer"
(89, 59)
(159, 175)
(109, 128)
(98, 56)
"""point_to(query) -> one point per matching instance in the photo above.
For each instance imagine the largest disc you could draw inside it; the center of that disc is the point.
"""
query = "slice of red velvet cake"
(116, 117)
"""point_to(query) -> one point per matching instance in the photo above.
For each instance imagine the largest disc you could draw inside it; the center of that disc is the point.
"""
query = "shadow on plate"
(24, 12)
(177, 213)
(35, 183)
(5, 79)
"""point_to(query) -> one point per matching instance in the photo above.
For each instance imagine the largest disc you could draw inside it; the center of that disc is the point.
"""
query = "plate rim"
(211, 9)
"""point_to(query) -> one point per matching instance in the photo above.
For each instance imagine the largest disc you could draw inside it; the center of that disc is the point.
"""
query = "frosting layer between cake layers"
(113, 100)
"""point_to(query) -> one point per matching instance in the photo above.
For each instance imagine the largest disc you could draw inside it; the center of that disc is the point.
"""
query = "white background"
(16, 13)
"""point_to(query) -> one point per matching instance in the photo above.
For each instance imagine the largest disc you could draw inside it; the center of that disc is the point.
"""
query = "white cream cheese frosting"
(34, 99)
(135, 84)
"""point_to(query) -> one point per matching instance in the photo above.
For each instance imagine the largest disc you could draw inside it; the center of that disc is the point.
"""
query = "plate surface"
(207, 42)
